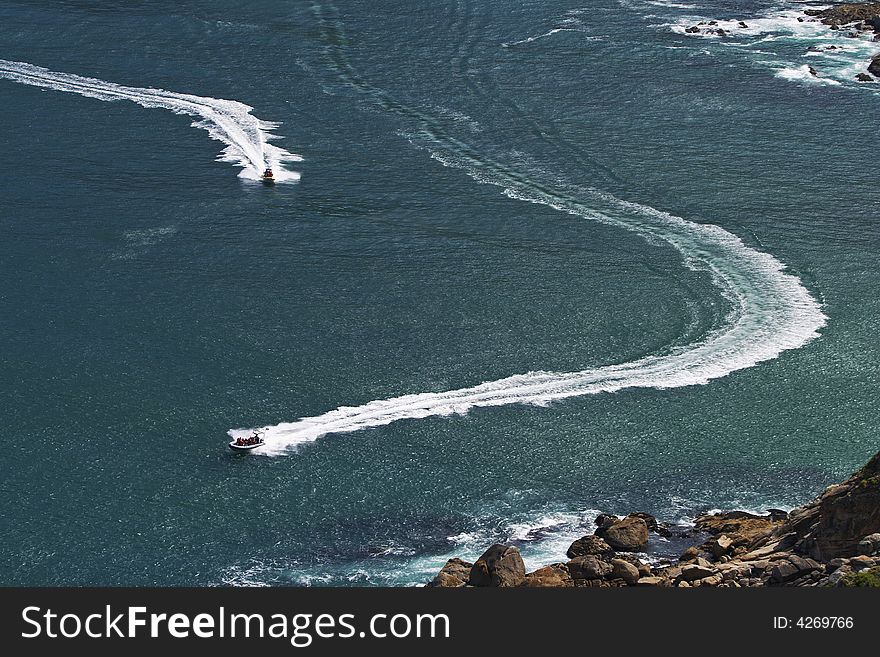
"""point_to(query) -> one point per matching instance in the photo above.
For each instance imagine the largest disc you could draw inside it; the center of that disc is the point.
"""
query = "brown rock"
(694, 572)
(455, 573)
(690, 554)
(627, 535)
(499, 566)
(861, 562)
(553, 576)
(589, 545)
(624, 570)
(651, 581)
(783, 571)
(720, 545)
(588, 567)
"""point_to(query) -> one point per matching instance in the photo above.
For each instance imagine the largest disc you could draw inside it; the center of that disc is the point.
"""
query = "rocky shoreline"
(834, 540)
(856, 19)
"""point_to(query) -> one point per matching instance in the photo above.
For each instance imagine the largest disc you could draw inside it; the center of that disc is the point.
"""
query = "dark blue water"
(152, 299)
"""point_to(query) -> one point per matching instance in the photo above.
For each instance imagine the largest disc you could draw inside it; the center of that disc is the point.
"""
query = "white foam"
(804, 74)
(246, 137)
(555, 30)
(772, 312)
(788, 30)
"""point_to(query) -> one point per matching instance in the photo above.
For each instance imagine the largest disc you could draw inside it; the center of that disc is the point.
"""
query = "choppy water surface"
(522, 265)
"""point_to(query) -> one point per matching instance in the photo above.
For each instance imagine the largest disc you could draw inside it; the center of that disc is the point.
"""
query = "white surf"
(228, 121)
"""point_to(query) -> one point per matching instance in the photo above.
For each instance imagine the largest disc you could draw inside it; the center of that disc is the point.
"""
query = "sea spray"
(229, 121)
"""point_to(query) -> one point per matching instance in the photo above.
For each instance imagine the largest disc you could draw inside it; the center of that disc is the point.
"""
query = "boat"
(268, 177)
(246, 444)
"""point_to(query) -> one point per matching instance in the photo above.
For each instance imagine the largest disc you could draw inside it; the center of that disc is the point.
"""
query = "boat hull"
(244, 448)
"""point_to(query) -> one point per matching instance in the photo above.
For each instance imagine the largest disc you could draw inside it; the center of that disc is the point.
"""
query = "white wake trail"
(772, 312)
(246, 137)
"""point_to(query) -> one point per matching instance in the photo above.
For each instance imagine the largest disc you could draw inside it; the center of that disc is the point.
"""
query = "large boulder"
(627, 535)
(454, 574)
(589, 567)
(590, 545)
(787, 570)
(499, 566)
(621, 569)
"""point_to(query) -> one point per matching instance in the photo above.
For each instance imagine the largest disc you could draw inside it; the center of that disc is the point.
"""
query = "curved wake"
(772, 310)
(246, 137)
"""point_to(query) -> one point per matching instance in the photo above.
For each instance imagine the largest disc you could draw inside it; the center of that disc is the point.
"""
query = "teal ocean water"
(525, 262)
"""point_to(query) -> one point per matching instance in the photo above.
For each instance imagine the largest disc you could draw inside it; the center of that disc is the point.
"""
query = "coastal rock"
(870, 544)
(689, 554)
(874, 66)
(846, 13)
(553, 576)
(720, 545)
(694, 572)
(589, 567)
(499, 566)
(864, 77)
(834, 524)
(624, 570)
(604, 521)
(454, 574)
(692, 30)
(833, 540)
(590, 545)
(651, 581)
(861, 562)
(741, 527)
(627, 535)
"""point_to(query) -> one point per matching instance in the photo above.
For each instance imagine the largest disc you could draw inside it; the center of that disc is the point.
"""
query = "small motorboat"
(246, 444)
(268, 177)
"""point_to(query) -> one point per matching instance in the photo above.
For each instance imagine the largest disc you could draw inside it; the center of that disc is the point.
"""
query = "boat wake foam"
(771, 309)
(772, 312)
(246, 137)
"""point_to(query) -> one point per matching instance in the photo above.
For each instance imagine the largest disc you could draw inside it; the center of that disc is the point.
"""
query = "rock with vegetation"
(847, 13)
